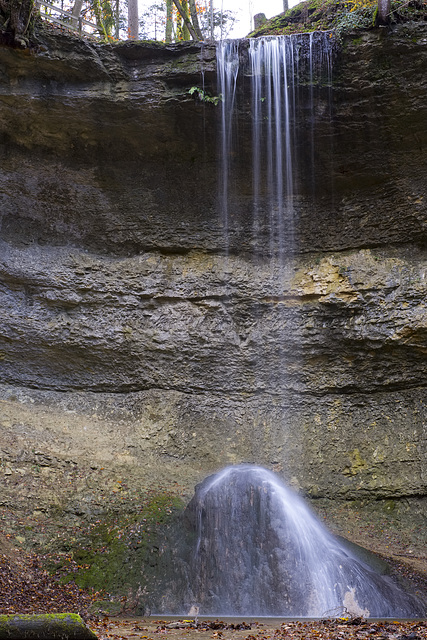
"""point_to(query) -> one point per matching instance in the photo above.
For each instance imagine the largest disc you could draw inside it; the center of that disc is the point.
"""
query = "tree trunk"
(169, 21)
(18, 14)
(186, 19)
(99, 20)
(133, 19)
(383, 13)
(179, 23)
(117, 20)
(185, 26)
(195, 19)
(76, 11)
(285, 5)
(77, 8)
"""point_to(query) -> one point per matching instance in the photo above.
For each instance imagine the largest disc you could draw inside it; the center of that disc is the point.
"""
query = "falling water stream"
(280, 69)
(258, 550)
(268, 96)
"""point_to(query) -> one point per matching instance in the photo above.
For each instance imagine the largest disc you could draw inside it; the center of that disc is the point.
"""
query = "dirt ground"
(338, 629)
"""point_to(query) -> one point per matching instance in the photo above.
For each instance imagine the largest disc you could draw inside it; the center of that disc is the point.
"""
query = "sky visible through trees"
(244, 11)
(172, 20)
(162, 20)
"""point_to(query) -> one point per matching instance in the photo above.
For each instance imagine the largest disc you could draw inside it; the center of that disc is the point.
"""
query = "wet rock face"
(127, 340)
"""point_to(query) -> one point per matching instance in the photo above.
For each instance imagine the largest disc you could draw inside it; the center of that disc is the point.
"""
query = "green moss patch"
(338, 15)
(119, 555)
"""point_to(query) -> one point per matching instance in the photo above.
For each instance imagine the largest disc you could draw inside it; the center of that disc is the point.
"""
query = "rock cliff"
(137, 344)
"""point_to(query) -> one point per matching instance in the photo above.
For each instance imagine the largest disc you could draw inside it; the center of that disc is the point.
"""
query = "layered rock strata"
(138, 343)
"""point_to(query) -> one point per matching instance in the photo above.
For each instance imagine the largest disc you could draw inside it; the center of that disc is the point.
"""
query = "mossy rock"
(123, 553)
(341, 16)
(56, 626)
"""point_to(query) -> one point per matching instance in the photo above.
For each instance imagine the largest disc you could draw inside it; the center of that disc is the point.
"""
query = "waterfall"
(228, 69)
(269, 88)
(250, 546)
(272, 73)
(261, 552)
(279, 69)
(258, 550)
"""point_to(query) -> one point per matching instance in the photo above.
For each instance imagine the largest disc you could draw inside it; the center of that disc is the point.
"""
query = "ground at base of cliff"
(330, 629)
(25, 587)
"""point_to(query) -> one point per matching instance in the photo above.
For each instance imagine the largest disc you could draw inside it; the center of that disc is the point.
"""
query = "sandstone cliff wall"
(133, 349)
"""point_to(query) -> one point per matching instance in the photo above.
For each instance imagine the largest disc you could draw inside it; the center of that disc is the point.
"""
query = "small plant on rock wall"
(360, 15)
(204, 97)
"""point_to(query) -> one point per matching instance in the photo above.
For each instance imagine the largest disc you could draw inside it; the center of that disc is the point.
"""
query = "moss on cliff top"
(339, 15)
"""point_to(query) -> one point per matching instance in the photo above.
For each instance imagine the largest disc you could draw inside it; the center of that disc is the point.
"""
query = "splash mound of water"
(261, 552)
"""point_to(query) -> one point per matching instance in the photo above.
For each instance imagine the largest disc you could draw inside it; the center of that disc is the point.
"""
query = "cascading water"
(272, 67)
(280, 69)
(261, 552)
(228, 69)
(258, 550)
(267, 95)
